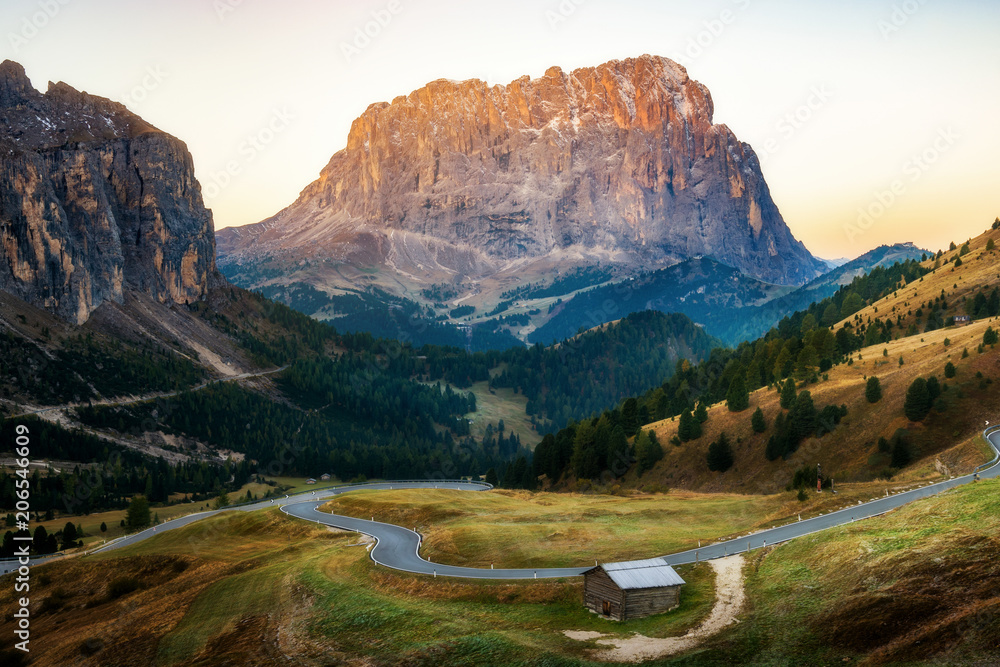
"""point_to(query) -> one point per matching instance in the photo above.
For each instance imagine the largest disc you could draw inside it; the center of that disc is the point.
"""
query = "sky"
(875, 120)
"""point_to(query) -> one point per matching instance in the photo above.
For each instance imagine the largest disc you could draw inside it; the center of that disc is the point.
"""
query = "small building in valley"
(325, 477)
(962, 320)
(623, 591)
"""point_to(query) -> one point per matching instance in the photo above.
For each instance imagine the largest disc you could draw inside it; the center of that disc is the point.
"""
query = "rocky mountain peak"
(15, 87)
(94, 201)
(616, 164)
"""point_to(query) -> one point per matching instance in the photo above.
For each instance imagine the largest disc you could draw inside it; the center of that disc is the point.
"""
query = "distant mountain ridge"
(730, 305)
(482, 187)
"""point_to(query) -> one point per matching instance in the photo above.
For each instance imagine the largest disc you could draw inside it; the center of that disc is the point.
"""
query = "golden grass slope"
(849, 453)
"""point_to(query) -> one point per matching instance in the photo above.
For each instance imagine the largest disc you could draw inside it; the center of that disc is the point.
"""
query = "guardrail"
(349, 485)
(986, 434)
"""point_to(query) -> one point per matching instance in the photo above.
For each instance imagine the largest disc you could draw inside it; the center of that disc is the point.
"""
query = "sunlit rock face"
(617, 164)
(94, 201)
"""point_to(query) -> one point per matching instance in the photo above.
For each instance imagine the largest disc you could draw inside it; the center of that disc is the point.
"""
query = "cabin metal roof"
(638, 574)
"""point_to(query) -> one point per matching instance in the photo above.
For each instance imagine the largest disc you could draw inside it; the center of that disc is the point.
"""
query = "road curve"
(398, 548)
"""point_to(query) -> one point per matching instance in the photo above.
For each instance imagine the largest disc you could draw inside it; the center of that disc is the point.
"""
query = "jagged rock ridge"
(619, 164)
(93, 201)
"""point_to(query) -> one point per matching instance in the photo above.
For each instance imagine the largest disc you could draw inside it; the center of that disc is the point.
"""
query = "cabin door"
(607, 608)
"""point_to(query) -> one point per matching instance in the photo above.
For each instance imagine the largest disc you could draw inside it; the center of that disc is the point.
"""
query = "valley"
(512, 332)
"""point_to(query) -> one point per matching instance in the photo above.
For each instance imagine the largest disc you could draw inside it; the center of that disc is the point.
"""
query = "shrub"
(902, 451)
(738, 398)
(720, 454)
(990, 337)
(788, 394)
(122, 586)
(949, 370)
(873, 392)
(918, 401)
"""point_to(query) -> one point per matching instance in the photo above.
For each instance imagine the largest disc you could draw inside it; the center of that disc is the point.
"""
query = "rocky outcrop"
(94, 201)
(620, 162)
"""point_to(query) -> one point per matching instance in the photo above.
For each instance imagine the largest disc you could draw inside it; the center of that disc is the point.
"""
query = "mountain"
(811, 377)
(474, 190)
(702, 289)
(754, 321)
(730, 305)
(94, 201)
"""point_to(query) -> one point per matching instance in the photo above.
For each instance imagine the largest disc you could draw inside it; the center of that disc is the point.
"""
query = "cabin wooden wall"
(649, 601)
(598, 587)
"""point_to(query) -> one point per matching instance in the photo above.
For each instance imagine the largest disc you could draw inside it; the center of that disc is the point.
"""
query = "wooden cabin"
(623, 591)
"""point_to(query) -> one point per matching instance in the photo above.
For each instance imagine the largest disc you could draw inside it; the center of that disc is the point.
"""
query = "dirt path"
(729, 598)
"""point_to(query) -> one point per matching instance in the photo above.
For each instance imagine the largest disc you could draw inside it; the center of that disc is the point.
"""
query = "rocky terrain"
(481, 187)
(93, 201)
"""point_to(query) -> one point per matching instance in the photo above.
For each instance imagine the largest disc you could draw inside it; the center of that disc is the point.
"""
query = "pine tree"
(918, 401)
(491, 477)
(695, 430)
(902, 452)
(104, 527)
(803, 416)
(138, 513)
(69, 536)
(873, 392)
(585, 462)
(647, 451)
(222, 500)
(630, 417)
(758, 422)
(738, 398)
(701, 413)
(990, 337)
(39, 541)
(685, 425)
(788, 394)
(720, 454)
(933, 389)
(950, 371)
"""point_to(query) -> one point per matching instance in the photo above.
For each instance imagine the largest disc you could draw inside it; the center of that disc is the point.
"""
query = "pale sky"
(905, 94)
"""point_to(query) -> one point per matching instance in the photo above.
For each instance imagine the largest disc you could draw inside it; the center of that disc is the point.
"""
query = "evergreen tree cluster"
(920, 398)
(108, 475)
(800, 422)
(588, 374)
(720, 454)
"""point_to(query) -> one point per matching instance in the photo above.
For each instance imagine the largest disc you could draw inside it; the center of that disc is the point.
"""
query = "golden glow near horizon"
(874, 121)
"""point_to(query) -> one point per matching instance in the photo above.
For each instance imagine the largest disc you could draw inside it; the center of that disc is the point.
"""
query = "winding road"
(398, 548)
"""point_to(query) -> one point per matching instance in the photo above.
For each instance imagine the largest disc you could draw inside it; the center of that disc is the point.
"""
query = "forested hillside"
(799, 350)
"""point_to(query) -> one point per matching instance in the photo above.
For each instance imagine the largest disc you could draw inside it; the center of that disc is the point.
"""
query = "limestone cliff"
(94, 201)
(619, 163)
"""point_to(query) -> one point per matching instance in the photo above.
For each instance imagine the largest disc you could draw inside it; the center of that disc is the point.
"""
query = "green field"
(918, 586)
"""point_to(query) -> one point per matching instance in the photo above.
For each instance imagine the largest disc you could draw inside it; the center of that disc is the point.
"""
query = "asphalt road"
(398, 548)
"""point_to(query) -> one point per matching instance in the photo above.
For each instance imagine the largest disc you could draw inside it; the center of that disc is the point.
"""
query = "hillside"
(754, 321)
(830, 351)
